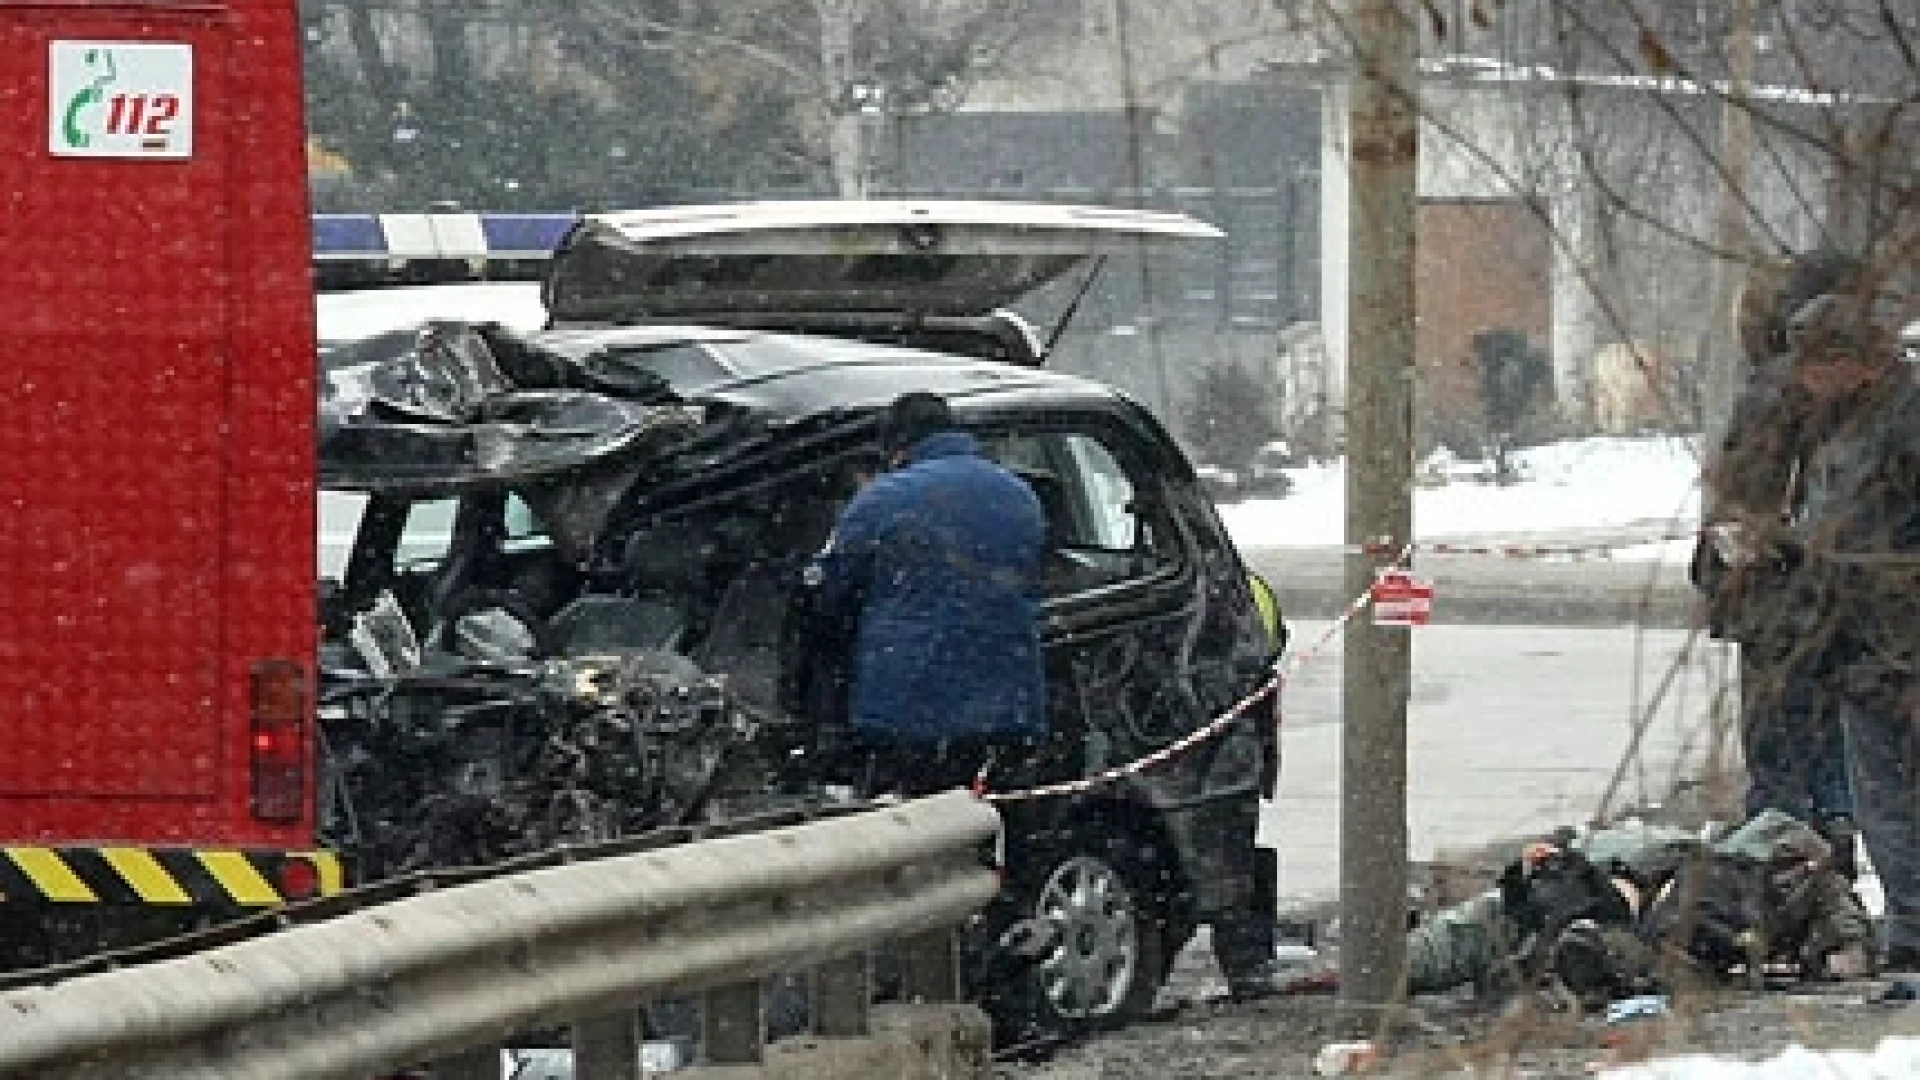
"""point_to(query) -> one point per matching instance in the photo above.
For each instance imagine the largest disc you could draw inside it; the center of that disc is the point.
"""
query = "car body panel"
(1135, 665)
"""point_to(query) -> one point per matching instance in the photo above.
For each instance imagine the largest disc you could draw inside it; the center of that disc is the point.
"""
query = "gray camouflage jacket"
(1750, 476)
(1860, 526)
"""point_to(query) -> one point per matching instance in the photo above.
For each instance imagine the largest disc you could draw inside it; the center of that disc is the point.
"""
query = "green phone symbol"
(100, 63)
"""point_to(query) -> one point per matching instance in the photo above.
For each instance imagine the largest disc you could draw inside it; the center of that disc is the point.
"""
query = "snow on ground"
(1580, 491)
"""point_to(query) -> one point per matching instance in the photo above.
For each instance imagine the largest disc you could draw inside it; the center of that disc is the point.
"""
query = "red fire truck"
(157, 608)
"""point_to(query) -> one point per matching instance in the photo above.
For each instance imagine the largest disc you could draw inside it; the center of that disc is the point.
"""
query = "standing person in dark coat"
(1861, 535)
(936, 566)
(1790, 730)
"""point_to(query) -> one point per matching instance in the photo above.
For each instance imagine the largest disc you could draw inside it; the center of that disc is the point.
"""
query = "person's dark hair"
(913, 417)
(1816, 273)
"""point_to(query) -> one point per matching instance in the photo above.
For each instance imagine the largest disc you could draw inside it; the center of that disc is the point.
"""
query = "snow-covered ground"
(1635, 492)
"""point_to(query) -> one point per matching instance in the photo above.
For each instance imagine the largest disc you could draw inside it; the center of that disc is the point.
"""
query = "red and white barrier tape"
(1601, 550)
(1270, 688)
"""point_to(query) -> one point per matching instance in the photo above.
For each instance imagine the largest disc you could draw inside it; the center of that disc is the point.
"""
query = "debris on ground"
(1203, 1035)
(1348, 1058)
(1200, 1033)
(1902, 991)
(1636, 1027)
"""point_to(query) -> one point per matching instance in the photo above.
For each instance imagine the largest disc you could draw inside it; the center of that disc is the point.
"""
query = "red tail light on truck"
(278, 703)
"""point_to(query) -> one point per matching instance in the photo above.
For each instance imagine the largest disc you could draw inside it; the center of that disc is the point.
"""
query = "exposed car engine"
(468, 757)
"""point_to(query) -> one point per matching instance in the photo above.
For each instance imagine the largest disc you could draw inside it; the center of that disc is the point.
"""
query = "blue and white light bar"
(363, 250)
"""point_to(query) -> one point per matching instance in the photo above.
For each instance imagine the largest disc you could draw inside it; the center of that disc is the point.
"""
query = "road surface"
(1511, 730)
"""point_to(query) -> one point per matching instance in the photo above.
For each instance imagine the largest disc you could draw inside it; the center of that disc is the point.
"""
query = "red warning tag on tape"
(1402, 598)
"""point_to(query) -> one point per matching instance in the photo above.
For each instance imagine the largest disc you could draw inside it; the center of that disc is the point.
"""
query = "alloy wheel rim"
(1096, 953)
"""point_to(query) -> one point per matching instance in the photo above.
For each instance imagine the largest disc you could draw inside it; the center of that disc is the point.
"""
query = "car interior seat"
(664, 570)
(472, 552)
(750, 634)
(743, 639)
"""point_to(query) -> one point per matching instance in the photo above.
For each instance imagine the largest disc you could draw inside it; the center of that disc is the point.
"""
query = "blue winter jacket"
(937, 564)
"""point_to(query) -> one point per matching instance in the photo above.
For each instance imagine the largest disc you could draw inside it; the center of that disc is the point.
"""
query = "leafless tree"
(835, 61)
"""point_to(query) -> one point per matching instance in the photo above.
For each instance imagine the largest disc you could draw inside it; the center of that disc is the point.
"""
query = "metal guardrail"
(453, 973)
(386, 890)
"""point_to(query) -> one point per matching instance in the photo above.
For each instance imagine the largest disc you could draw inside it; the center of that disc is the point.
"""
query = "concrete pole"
(1726, 366)
(1138, 117)
(846, 139)
(1384, 140)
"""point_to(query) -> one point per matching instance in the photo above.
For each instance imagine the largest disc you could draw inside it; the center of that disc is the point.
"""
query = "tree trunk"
(1383, 165)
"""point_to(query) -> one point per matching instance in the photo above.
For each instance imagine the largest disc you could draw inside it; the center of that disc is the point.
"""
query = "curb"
(1669, 612)
(1311, 583)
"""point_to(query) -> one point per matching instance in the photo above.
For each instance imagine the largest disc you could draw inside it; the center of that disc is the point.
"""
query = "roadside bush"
(1230, 416)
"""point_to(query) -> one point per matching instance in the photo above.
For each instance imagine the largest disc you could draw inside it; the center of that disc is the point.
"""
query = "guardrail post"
(731, 1025)
(932, 962)
(607, 1047)
(479, 1064)
(841, 993)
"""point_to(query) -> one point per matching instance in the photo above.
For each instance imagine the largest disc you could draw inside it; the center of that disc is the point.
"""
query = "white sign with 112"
(120, 99)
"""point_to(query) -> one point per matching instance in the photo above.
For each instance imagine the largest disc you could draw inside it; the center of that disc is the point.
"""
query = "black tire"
(1106, 958)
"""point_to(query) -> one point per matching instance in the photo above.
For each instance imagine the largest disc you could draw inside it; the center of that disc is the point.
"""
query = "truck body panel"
(156, 423)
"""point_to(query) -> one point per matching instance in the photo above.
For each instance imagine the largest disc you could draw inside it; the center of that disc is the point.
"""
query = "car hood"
(916, 258)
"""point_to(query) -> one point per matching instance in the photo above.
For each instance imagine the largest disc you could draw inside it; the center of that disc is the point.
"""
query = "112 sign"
(149, 117)
(121, 99)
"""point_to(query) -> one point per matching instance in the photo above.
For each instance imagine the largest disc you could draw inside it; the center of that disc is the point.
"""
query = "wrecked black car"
(574, 607)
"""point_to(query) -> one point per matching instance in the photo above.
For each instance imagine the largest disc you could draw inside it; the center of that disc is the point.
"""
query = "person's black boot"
(1244, 951)
(1843, 836)
(1900, 960)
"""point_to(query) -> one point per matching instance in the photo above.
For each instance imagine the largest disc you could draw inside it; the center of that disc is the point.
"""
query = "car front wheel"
(1102, 961)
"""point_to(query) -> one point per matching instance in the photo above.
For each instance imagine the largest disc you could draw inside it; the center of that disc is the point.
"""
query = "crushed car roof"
(464, 403)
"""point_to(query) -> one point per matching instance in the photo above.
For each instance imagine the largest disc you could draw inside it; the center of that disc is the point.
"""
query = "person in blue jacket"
(935, 567)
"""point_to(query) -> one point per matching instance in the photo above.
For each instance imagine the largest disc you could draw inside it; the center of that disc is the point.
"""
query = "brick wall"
(1484, 264)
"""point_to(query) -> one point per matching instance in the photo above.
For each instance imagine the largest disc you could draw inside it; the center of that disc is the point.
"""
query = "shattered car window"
(523, 531)
(428, 534)
(340, 513)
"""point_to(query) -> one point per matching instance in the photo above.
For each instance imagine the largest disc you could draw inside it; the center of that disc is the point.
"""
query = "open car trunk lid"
(916, 259)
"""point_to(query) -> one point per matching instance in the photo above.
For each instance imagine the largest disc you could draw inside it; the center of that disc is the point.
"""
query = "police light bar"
(360, 251)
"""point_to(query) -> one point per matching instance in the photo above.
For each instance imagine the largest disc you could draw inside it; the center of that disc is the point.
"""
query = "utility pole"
(1726, 367)
(1383, 126)
(846, 139)
(1138, 118)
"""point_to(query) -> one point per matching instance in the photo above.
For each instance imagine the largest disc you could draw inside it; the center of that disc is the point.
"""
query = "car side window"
(1099, 531)
(428, 534)
(1107, 518)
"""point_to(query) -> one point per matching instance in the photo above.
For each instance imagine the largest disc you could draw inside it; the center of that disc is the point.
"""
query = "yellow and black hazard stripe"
(173, 877)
